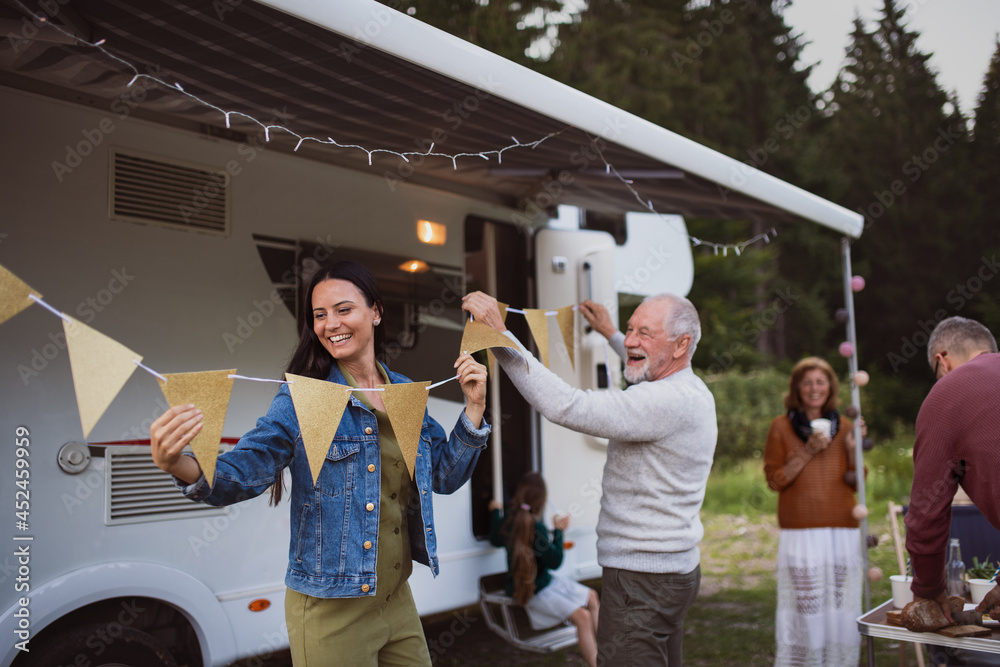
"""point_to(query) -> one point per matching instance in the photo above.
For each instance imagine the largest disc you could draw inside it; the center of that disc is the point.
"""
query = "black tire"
(104, 645)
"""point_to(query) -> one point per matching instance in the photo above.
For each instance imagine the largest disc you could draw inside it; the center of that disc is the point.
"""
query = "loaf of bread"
(923, 615)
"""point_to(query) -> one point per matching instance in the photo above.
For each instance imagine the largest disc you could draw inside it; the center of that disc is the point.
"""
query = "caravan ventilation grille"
(158, 192)
(138, 491)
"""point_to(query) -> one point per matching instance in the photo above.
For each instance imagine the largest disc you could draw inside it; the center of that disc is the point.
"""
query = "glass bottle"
(955, 569)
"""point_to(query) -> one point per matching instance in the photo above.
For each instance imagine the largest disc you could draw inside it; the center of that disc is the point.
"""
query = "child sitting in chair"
(548, 598)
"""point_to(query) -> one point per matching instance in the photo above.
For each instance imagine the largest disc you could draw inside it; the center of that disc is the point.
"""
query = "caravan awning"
(361, 73)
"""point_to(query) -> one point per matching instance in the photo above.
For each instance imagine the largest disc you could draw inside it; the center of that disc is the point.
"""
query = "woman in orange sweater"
(808, 452)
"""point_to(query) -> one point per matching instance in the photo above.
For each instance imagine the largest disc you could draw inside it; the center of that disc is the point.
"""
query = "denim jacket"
(334, 524)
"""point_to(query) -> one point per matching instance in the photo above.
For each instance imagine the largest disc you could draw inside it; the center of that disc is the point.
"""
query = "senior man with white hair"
(662, 432)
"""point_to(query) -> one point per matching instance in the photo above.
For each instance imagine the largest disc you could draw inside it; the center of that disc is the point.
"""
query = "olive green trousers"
(377, 631)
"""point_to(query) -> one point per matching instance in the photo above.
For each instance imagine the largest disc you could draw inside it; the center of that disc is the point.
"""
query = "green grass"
(732, 627)
(740, 489)
(732, 623)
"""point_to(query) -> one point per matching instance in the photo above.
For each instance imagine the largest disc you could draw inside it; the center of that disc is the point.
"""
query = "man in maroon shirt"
(958, 442)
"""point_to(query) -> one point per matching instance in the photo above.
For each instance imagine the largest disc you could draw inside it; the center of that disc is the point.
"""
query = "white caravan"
(142, 213)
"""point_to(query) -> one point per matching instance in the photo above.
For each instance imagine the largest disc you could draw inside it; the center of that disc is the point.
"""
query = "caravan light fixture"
(432, 233)
(414, 266)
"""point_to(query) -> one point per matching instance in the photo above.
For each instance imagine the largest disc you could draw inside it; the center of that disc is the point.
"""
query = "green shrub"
(739, 489)
(745, 403)
(890, 470)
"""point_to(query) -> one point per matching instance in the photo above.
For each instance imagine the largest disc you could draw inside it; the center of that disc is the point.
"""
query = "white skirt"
(554, 603)
(819, 597)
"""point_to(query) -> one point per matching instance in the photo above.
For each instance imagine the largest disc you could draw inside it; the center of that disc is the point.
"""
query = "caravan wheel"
(106, 645)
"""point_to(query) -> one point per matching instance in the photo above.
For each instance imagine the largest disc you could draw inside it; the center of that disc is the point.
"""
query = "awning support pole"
(852, 369)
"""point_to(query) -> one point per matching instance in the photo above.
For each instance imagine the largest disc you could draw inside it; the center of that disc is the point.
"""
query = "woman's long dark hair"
(310, 358)
(530, 493)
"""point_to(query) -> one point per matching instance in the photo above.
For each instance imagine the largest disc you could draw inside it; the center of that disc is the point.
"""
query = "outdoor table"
(873, 624)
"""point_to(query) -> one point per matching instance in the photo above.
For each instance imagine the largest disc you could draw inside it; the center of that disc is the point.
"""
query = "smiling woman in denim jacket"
(355, 532)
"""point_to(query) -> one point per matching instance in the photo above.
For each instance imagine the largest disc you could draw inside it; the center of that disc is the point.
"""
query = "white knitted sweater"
(662, 438)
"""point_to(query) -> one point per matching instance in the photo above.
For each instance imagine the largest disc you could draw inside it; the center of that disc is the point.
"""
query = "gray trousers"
(642, 617)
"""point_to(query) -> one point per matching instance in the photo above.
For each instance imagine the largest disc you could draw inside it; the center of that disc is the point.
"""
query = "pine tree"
(986, 159)
(753, 104)
(621, 52)
(896, 150)
(986, 142)
(506, 27)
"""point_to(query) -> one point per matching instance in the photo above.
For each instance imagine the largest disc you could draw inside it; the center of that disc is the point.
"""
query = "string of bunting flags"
(101, 366)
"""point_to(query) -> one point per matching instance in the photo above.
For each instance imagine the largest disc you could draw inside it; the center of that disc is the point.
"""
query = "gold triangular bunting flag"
(539, 325)
(209, 391)
(13, 295)
(478, 336)
(101, 366)
(405, 404)
(319, 406)
(566, 317)
(490, 359)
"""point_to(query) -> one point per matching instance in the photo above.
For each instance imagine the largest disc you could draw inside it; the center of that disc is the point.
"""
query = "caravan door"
(571, 266)
(576, 264)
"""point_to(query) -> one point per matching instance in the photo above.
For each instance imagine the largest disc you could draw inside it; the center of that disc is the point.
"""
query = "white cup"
(821, 426)
(978, 588)
(901, 593)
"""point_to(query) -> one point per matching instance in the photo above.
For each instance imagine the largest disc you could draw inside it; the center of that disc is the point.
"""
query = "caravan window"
(423, 318)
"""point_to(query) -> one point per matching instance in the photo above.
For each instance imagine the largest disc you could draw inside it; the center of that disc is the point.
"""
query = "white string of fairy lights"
(269, 127)
(404, 155)
(738, 248)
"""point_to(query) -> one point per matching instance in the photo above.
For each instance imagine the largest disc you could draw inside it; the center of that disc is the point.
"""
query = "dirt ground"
(460, 638)
(735, 553)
